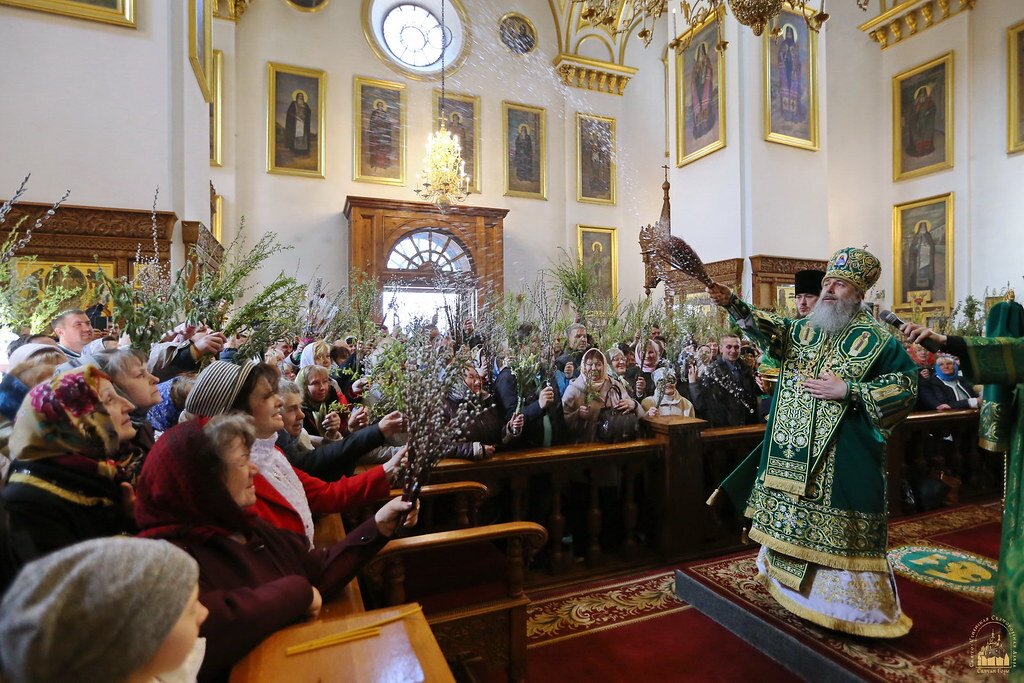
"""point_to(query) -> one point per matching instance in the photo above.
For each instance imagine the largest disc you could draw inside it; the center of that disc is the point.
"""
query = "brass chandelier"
(755, 14)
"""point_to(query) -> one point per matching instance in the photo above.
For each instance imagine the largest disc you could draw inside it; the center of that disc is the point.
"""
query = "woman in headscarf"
(316, 353)
(288, 497)
(484, 429)
(946, 389)
(589, 393)
(109, 609)
(641, 377)
(66, 484)
(198, 489)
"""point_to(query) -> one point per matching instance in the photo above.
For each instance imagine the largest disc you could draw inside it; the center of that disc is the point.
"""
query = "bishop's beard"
(833, 316)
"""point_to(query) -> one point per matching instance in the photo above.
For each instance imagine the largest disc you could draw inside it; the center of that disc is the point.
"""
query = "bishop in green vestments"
(816, 489)
(997, 361)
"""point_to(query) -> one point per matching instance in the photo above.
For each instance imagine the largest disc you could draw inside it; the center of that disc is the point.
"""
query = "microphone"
(896, 321)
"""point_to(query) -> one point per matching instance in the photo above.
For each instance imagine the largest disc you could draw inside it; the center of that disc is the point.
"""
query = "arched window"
(432, 250)
(430, 276)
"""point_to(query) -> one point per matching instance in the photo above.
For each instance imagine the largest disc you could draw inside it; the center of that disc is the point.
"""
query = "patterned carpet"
(938, 646)
(602, 607)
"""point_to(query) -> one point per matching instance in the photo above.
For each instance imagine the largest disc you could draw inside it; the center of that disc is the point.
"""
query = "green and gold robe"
(999, 362)
(818, 495)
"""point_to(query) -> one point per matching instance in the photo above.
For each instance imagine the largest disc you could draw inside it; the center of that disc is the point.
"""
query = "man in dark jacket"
(541, 409)
(726, 394)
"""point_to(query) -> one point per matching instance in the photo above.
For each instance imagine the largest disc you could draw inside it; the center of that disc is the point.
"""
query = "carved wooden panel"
(77, 233)
(194, 233)
(376, 225)
(769, 272)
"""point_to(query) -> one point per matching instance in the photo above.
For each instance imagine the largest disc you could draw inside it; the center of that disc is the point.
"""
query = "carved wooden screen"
(772, 274)
(465, 238)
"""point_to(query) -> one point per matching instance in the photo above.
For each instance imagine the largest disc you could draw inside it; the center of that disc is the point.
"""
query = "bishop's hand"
(827, 387)
(719, 293)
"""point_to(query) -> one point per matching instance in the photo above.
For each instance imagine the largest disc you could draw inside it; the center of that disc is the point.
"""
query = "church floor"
(635, 629)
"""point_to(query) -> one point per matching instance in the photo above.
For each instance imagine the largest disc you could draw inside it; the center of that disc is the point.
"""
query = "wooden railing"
(642, 503)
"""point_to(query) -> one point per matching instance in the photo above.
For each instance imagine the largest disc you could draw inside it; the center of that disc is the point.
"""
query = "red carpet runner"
(636, 630)
(938, 646)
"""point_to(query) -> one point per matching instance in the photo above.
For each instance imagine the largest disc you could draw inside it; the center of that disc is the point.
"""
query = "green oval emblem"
(946, 568)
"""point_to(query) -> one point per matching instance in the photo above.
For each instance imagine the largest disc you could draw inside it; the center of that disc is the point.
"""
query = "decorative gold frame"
(526, 20)
(897, 246)
(682, 157)
(384, 55)
(123, 15)
(579, 160)
(542, 146)
(309, 10)
(202, 64)
(217, 104)
(1014, 134)
(357, 130)
(581, 231)
(812, 99)
(273, 69)
(474, 164)
(897, 130)
(217, 219)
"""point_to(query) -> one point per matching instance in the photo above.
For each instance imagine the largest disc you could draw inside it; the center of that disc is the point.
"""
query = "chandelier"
(606, 13)
(443, 180)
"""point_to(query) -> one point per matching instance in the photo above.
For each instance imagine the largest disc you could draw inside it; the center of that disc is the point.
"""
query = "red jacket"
(344, 495)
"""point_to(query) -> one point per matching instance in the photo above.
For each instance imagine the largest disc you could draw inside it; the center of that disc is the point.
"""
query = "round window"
(413, 35)
(409, 38)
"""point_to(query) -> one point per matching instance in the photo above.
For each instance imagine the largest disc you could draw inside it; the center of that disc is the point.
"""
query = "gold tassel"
(714, 497)
(744, 538)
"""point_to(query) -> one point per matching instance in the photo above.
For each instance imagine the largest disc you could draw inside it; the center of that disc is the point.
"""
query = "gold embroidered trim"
(855, 563)
(992, 446)
(900, 628)
(50, 487)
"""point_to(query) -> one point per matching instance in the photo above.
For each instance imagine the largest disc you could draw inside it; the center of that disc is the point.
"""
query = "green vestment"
(1000, 361)
(818, 493)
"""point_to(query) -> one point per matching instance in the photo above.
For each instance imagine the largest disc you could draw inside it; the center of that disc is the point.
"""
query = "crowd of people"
(216, 465)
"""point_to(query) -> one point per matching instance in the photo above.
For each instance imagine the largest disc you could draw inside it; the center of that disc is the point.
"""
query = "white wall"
(308, 212)
(985, 180)
(107, 111)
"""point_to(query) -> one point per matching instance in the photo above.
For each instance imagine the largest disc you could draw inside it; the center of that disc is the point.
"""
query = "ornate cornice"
(783, 265)
(592, 74)
(911, 17)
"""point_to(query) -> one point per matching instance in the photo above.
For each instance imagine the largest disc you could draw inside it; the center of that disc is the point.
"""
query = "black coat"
(51, 507)
(718, 405)
(933, 392)
(331, 460)
(507, 395)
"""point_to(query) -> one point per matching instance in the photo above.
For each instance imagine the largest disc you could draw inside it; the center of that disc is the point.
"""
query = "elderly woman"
(485, 428)
(331, 460)
(127, 370)
(198, 489)
(666, 400)
(109, 609)
(65, 485)
(287, 496)
(30, 365)
(590, 393)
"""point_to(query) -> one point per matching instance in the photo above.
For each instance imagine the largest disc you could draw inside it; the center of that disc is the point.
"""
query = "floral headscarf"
(64, 416)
